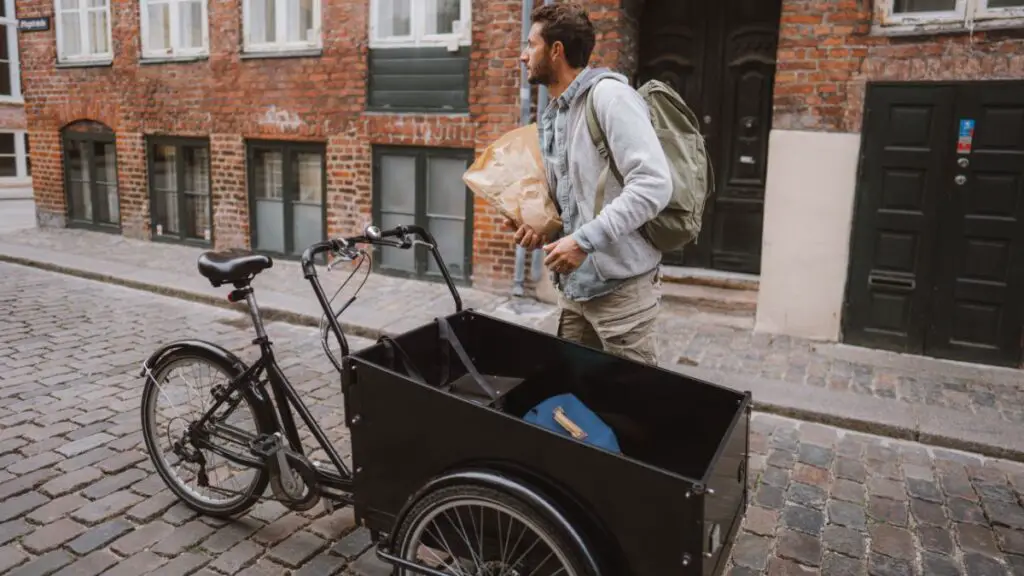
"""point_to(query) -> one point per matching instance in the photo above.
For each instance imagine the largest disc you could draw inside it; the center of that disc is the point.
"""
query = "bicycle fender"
(198, 347)
(512, 486)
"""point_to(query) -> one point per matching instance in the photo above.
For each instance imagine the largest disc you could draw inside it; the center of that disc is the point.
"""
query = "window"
(83, 31)
(419, 23)
(424, 187)
(173, 28)
(179, 189)
(10, 78)
(90, 172)
(13, 156)
(8, 155)
(281, 25)
(286, 188)
(936, 15)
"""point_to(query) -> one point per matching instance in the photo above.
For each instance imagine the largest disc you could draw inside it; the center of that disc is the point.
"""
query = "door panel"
(720, 57)
(937, 255)
(741, 164)
(978, 297)
(890, 277)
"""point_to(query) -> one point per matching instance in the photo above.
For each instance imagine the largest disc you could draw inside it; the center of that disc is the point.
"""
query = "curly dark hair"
(568, 23)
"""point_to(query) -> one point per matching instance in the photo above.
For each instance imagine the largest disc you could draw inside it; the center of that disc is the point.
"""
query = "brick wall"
(826, 57)
(228, 98)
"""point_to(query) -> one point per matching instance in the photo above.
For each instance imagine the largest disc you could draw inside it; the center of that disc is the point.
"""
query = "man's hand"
(525, 236)
(564, 256)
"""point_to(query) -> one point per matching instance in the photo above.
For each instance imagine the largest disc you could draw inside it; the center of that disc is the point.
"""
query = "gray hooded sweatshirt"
(615, 249)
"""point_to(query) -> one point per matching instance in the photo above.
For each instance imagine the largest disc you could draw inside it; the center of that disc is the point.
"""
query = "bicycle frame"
(286, 398)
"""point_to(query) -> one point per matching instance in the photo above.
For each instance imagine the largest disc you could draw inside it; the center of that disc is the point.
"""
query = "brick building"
(218, 123)
(15, 170)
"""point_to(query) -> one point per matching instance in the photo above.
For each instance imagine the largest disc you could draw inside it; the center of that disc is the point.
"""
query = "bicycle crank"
(293, 479)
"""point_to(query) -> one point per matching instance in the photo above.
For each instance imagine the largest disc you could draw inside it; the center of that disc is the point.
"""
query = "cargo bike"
(448, 475)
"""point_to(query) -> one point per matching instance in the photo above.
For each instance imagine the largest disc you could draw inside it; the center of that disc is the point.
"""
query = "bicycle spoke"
(491, 554)
(218, 478)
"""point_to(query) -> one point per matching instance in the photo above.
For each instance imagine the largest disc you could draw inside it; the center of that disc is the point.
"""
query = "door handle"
(894, 283)
(960, 179)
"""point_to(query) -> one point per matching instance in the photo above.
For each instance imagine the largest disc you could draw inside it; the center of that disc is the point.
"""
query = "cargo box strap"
(448, 334)
(391, 346)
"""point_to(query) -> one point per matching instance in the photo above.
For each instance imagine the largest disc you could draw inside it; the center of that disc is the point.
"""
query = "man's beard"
(542, 75)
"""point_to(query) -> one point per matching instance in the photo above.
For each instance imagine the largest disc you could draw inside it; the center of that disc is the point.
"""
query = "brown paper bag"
(510, 176)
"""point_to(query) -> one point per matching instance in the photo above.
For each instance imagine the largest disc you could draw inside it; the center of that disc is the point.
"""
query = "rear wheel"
(477, 531)
(177, 395)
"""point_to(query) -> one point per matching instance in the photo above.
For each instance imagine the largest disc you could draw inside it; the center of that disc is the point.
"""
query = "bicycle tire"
(500, 500)
(259, 484)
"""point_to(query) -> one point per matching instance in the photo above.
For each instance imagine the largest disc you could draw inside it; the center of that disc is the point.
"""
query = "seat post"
(244, 289)
(254, 311)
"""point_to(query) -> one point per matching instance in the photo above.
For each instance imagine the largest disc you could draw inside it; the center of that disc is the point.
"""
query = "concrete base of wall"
(50, 219)
(807, 219)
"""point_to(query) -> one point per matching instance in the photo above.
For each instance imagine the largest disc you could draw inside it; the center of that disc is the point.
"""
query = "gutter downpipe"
(524, 119)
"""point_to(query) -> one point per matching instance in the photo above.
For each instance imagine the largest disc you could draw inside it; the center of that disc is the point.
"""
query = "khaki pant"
(620, 323)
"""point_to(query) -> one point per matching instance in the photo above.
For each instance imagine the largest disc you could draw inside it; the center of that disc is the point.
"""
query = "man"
(605, 270)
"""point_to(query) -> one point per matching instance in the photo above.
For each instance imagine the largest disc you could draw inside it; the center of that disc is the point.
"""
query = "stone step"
(711, 298)
(712, 278)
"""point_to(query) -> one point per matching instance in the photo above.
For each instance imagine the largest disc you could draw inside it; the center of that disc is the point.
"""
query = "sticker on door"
(963, 145)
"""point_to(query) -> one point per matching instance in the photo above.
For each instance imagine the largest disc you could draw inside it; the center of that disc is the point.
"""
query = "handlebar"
(375, 236)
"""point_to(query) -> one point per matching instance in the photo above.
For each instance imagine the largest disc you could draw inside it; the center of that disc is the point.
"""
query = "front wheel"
(477, 531)
(176, 396)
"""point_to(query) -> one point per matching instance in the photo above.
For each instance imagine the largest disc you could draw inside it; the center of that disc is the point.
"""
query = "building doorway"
(937, 254)
(720, 57)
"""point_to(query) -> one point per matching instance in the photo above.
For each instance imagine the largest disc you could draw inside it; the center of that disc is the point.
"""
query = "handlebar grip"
(312, 252)
(396, 231)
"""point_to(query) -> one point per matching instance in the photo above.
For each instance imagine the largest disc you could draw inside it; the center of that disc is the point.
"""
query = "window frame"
(422, 155)
(83, 11)
(967, 15)
(983, 12)
(179, 143)
(21, 165)
(68, 134)
(287, 149)
(249, 47)
(14, 58)
(417, 23)
(174, 13)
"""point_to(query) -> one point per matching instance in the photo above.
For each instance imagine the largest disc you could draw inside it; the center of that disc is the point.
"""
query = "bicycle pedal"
(265, 445)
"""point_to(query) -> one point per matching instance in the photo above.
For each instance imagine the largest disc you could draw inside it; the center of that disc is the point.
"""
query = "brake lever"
(346, 254)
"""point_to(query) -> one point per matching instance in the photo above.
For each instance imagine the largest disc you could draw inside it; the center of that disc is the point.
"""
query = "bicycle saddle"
(232, 266)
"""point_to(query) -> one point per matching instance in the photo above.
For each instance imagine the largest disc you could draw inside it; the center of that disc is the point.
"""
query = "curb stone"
(934, 426)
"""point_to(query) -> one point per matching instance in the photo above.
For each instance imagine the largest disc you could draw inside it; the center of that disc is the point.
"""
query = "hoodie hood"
(589, 76)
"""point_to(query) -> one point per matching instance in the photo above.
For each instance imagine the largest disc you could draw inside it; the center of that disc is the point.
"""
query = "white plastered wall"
(808, 214)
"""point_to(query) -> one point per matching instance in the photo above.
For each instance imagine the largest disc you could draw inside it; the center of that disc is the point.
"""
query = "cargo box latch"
(714, 540)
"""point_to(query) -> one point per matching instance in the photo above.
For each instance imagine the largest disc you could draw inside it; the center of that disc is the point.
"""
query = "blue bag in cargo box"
(566, 415)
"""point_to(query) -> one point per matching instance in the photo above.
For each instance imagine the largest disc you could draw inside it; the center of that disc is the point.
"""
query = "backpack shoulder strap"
(599, 139)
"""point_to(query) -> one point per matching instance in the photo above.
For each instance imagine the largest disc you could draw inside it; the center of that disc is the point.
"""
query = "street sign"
(34, 24)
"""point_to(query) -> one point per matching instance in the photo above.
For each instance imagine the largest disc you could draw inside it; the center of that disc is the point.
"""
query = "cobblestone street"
(78, 494)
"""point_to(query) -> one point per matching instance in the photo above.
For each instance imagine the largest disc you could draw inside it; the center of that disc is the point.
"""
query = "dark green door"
(937, 255)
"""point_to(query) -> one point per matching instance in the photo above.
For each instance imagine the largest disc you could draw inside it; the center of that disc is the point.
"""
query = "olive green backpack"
(693, 179)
